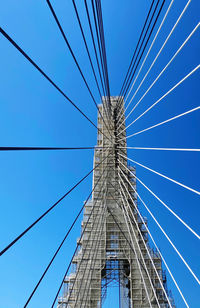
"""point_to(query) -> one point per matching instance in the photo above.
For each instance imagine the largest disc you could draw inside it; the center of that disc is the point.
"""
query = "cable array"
(120, 188)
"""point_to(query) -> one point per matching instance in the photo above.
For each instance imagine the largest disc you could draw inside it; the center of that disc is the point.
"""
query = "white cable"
(168, 208)
(164, 176)
(174, 27)
(145, 266)
(145, 245)
(135, 252)
(160, 149)
(160, 27)
(161, 123)
(177, 251)
(174, 56)
(176, 284)
(168, 92)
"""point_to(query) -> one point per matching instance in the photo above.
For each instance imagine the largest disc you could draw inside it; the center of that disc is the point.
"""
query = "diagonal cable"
(102, 36)
(94, 45)
(99, 45)
(86, 45)
(46, 212)
(132, 73)
(164, 176)
(161, 149)
(145, 245)
(170, 241)
(149, 36)
(166, 265)
(73, 55)
(46, 76)
(61, 244)
(163, 203)
(97, 199)
(136, 241)
(163, 96)
(155, 37)
(136, 47)
(163, 122)
(163, 70)
(49, 148)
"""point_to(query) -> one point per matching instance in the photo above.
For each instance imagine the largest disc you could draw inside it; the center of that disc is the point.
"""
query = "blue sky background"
(33, 113)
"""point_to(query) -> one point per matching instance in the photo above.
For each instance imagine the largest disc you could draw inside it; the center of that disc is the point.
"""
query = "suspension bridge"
(120, 249)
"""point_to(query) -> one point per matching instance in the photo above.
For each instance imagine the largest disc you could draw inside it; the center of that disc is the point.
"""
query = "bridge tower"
(113, 247)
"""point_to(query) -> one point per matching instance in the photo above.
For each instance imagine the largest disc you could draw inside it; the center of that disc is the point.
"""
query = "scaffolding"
(114, 249)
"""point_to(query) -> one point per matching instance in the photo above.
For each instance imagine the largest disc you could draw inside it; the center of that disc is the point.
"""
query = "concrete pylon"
(114, 248)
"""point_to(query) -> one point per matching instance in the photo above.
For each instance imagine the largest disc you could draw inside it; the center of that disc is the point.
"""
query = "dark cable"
(75, 60)
(86, 246)
(131, 73)
(47, 77)
(75, 251)
(86, 46)
(47, 148)
(127, 87)
(84, 252)
(94, 45)
(96, 56)
(69, 47)
(101, 51)
(101, 28)
(136, 47)
(99, 45)
(61, 244)
(100, 31)
(46, 212)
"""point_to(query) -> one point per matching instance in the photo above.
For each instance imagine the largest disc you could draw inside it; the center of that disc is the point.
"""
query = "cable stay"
(61, 244)
(161, 49)
(86, 46)
(97, 16)
(161, 149)
(120, 93)
(94, 249)
(123, 208)
(136, 224)
(94, 46)
(102, 248)
(99, 46)
(170, 241)
(49, 148)
(163, 70)
(134, 251)
(131, 73)
(73, 55)
(97, 242)
(164, 176)
(163, 203)
(77, 246)
(47, 77)
(102, 41)
(163, 259)
(161, 98)
(163, 122)
(144, 48)
(155, 37)
(46, 212)
(127, 217)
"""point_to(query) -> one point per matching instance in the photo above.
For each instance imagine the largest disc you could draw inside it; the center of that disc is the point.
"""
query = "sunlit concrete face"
(113, 247)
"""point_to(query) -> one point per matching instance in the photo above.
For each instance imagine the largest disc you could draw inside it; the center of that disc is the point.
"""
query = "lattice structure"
(113, 248)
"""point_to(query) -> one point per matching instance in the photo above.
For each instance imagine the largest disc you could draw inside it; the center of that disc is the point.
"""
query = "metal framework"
(114, 248)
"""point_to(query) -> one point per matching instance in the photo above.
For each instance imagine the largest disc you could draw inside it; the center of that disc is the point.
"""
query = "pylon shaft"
(114, 248)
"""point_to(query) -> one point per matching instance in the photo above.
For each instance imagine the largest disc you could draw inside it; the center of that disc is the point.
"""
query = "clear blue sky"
(33, 113)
